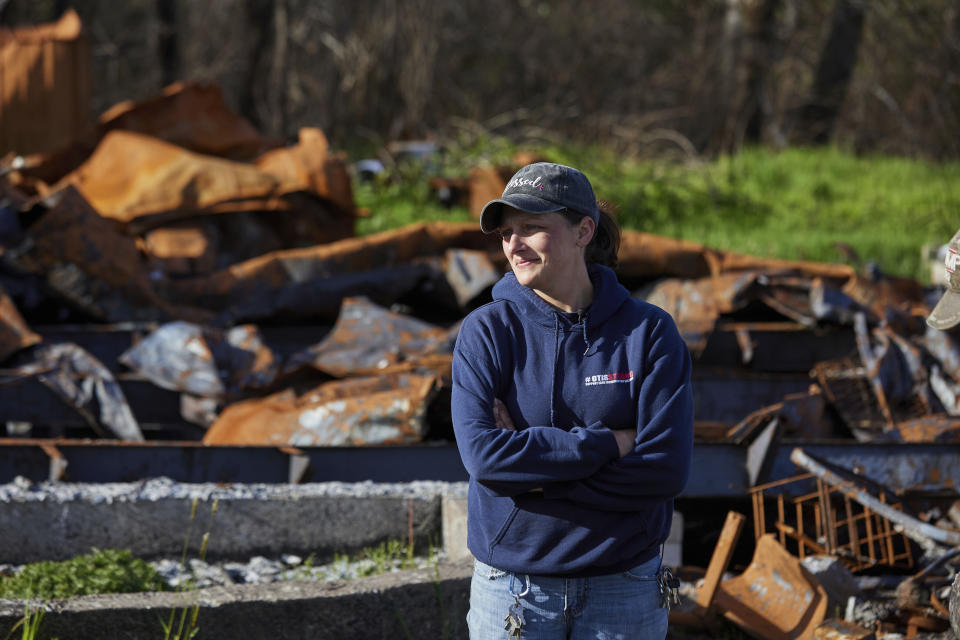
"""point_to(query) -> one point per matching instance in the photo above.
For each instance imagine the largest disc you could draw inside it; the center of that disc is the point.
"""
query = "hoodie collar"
(608, 295)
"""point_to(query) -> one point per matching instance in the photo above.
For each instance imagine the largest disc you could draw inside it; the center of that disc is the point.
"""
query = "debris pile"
(837, 561)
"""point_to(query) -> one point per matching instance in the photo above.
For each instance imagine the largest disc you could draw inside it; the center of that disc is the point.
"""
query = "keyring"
(526, 578)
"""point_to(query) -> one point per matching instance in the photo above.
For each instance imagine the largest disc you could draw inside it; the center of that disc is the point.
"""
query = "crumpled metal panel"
(470, 273)
(312, 166)
(775, 598)
(95, 267)
(78, 378)
(369, 339)
(45, 84)
(384, 409)
(380, 266)
(932, 428)
(800, 415)
(14, 332)
(696, 304)
(131, 175)
(202, 361)
(192, 115)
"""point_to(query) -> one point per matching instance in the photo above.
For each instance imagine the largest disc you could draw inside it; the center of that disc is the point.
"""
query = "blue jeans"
(623, 606)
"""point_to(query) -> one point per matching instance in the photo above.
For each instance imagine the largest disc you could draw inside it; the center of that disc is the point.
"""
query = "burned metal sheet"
(84, 383)
(46, 84)
(385, 409)
(470, 273)
(800, 415)
(14, 332)
(90, 264)
(202, 361)
(695, 305)
(311, 166)
(775, 598)
(380, 266)
(369, 339)
(931, 428)
(192, 115)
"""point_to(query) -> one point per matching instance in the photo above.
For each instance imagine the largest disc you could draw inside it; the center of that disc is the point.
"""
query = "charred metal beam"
(917, 530)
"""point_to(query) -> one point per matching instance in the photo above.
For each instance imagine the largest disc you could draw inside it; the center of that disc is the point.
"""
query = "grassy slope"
(796, 203)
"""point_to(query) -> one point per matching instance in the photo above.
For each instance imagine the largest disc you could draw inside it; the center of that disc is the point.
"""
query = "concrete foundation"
(300, 520)
(408, 604)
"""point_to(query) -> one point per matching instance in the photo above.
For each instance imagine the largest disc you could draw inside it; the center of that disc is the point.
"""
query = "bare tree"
(818, 117)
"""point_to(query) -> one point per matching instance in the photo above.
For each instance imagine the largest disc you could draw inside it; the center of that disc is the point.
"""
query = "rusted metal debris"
(368, 339)
(824, 521)
(834, 629)
(84, 383)
(14, 332)
(204, 362)
(775, 598)
(45, 87)
(384, 409)
(926, 535)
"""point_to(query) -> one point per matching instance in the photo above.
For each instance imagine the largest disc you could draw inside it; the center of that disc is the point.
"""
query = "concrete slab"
(57, 521)
(428, 603)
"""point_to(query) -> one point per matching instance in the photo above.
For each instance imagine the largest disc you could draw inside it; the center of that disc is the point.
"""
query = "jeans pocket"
(643, 572)
(487, 572)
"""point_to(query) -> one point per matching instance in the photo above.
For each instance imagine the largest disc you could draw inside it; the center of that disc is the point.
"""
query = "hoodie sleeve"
(659, 464)
(514, 462)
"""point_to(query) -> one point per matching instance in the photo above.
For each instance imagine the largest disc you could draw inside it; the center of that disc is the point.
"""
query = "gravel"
(23, 490)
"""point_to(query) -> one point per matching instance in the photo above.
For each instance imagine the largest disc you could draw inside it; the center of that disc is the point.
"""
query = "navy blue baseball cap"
(542, 187)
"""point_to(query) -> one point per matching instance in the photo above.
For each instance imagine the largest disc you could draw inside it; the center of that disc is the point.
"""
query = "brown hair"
(605, 244)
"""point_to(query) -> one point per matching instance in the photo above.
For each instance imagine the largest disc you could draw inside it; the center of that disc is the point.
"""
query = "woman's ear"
(585, 231)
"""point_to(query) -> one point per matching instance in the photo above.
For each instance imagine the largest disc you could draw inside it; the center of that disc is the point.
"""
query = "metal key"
(669, 588)
(514, 620)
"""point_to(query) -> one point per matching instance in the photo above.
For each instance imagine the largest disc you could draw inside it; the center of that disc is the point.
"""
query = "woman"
(573, 415)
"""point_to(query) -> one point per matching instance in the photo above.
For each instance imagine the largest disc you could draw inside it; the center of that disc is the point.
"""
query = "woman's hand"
(626, 440)
(501, 416)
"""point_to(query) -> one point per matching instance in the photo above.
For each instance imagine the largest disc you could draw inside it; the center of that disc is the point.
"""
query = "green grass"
(106, 571)
(799, 203)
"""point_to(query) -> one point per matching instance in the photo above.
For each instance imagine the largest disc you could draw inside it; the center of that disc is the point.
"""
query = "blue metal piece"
(717, 469)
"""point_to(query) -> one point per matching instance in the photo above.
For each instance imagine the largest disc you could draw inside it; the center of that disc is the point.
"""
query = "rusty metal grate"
(826, 521)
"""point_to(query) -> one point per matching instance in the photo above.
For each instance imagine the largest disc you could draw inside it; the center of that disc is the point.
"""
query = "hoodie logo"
(608, 378)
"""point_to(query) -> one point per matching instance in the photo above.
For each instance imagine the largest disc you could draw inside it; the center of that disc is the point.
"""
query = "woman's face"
(544, 250)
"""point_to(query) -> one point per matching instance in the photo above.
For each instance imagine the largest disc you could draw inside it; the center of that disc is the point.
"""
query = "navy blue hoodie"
(567, 381)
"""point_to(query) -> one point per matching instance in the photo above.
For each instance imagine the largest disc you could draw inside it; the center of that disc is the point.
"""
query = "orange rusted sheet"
(695, 304)
(931, 428)
(776, 598)
(202, 361)
(369, 339)
(14, 332)
(835, 629)
(45, 85)
(311, 166)
(182, 248)
(95, 267)
(384, 409)
(191, 115)
(259, 283)
(131, 175)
